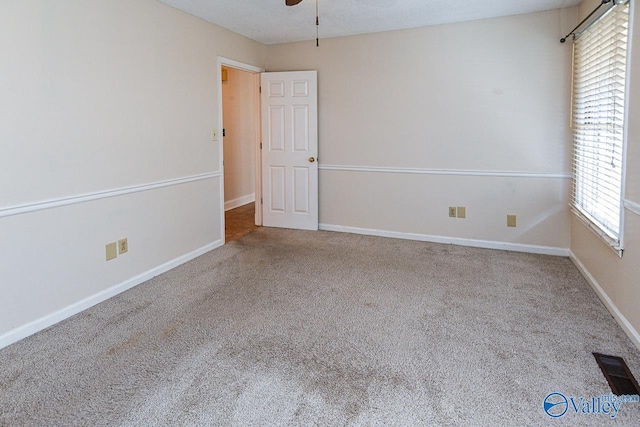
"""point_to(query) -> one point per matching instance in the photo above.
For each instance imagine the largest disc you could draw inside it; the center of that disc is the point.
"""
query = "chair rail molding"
(459, 172)
(72, 200)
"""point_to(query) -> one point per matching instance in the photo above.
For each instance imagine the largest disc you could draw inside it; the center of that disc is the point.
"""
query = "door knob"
(312, 159)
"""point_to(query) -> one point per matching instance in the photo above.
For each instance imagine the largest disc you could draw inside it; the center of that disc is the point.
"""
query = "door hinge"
(261, 145)
(260, 89)
(261, 202)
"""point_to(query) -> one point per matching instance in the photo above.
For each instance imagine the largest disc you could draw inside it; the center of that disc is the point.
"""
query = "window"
(598, 121)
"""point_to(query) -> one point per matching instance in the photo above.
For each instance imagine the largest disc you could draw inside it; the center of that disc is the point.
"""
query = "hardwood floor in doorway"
(239, 221)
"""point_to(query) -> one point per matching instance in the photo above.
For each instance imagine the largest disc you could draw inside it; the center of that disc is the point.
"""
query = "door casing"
(256, 71)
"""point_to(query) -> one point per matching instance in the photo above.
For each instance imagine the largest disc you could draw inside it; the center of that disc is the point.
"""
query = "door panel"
(290, 149)
(277, 183)
(300, 184)
(276, 128)
(301, 128)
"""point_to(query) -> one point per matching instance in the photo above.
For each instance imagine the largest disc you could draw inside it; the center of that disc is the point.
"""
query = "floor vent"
(617, 374)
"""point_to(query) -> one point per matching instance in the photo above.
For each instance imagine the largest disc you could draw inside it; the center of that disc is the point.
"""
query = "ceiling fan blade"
(292, 2)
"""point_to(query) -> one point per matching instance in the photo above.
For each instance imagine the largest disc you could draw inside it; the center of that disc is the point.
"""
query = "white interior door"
(290, 149)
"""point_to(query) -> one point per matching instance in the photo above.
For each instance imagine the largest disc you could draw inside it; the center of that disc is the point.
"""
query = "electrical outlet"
(452, 212)
(462, 212)
(511, 220)
(123, 246)
(111, 250)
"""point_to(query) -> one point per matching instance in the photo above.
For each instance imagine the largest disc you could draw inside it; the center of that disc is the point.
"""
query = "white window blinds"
(600, 64)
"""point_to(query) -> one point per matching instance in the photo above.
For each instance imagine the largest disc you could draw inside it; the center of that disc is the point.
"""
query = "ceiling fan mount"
(295, 2)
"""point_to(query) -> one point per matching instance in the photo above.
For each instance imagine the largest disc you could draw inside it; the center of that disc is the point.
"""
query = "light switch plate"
(111, 250)
(511, 220)
(214, 135)
(452, 212)
(462, 212)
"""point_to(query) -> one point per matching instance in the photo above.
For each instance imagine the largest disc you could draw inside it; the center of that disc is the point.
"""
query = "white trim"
(487, 244)
(461, 172)
(31, 328)
(627, 117)
(631, 332)
(611, 242)
(239, 65)
(240, 201)
(220, 141)
(72, 200)
(632, 207)
(257, 114)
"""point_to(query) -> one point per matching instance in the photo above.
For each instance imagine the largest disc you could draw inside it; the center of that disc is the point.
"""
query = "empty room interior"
(443, 203)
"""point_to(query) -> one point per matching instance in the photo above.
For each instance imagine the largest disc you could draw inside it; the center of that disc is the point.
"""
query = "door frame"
(256, 71)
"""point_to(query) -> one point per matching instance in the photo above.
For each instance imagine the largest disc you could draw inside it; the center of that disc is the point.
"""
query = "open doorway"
(240, 139)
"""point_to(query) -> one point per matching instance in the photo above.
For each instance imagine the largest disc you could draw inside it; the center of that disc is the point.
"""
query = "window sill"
(611, 243)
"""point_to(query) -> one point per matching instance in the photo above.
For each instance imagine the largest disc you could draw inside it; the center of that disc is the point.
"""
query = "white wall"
(486, 96)
(239, 106)
(616, 279)
(98, 96)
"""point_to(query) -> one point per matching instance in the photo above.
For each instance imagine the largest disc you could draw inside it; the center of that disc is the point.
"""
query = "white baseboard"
(628, 329)
(31, 328)
(487, 244)
(240, 201)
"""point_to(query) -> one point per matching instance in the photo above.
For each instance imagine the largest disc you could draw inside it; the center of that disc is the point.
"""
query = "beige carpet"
(288, 327)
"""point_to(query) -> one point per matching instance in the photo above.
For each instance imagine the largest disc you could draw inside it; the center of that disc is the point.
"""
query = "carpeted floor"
(302, 328)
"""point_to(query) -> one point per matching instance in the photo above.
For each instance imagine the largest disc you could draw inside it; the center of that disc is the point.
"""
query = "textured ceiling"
(270, 21)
